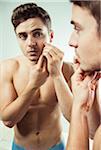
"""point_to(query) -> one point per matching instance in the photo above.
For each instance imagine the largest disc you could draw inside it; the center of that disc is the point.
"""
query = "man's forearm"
(15, 111)
(64, 95)
(78, 132)
(97, 139)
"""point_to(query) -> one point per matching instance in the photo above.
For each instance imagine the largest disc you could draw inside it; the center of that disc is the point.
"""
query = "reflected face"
(85, 39)
(31, 35)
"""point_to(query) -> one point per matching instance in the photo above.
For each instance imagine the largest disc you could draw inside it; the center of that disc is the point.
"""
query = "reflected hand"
(54, 58)
(38, 73)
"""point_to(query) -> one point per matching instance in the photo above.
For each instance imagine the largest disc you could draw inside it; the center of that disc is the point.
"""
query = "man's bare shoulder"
(9, 66)
(9, 63)
(67, 70)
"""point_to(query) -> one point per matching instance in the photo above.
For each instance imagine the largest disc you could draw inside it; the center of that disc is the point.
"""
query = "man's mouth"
(76, 60)
(32, 52)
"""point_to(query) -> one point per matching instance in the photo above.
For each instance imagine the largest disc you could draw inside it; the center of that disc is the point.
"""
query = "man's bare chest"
(43, 95)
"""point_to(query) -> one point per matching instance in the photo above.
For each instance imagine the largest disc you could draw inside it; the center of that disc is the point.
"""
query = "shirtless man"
(30, 85)
(86, 110)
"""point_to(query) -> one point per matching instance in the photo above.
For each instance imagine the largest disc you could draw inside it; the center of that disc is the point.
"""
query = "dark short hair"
(30, 10)
(94, 8)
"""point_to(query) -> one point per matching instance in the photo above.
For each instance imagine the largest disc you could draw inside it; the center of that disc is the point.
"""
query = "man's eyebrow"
(37, 29)
(34, 30)
(21, 33)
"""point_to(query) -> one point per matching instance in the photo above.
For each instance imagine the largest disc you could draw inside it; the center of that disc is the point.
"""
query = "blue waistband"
(59, 146)
(16, 147)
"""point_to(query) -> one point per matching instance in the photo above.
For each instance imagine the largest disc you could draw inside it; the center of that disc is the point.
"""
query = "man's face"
(31, 35)
(85, 39)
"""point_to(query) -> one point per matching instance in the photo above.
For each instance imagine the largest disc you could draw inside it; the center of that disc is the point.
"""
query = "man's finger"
(40, 62)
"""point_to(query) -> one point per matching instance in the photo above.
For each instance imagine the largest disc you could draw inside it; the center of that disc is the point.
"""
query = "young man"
(30, 85)
(86, 110)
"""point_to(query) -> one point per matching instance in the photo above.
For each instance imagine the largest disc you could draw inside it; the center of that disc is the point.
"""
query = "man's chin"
(89, 69)
(33, 60)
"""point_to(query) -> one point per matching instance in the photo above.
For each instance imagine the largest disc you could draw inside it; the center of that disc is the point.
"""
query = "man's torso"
(40, 127)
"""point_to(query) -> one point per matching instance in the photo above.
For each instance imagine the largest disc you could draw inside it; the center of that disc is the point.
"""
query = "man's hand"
(38, 74)
(54, 59)
(83, 87)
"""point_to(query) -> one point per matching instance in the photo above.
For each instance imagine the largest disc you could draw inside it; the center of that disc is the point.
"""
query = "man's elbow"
(67, 115)
(6, 121)
(9, 124)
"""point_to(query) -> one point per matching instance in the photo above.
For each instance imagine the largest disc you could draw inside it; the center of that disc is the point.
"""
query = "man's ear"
(51, 36)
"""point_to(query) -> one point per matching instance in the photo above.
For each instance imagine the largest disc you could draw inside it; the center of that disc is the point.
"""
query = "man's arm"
(62, 85)
(12, 106)
(93, 118)
(94, 114)
(83, 87)
(78, 132)
(55, 62)
(97, 139)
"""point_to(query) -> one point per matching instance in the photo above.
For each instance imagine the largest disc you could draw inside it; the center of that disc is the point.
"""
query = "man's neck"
(94, 73)
(30, 62)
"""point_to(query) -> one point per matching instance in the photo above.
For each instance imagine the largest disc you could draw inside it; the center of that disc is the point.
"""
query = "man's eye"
(23, 36)
(38, 34)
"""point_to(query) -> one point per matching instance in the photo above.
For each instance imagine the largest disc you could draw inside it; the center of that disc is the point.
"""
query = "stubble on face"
(88, 40)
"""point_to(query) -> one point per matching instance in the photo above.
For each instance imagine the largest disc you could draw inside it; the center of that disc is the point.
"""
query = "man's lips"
(32, 52)
(76, 60)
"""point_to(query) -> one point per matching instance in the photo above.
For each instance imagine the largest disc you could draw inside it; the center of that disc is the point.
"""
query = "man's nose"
(73, 42)
(31, 41)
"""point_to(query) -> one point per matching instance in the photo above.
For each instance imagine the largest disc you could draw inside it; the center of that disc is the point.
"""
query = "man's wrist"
(31, 87)
(78, 109)
(57, 76)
